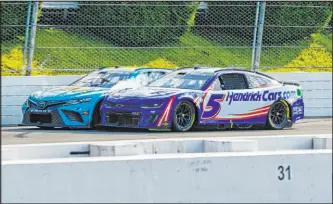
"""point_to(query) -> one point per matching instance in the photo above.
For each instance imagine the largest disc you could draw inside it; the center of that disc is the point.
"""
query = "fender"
(195, 99)
(99, 102)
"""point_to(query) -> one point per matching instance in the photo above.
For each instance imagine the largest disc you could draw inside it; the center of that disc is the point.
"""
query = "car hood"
(143, 93)
(68, 92)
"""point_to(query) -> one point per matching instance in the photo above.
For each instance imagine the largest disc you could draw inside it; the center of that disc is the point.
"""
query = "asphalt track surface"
(33, 135)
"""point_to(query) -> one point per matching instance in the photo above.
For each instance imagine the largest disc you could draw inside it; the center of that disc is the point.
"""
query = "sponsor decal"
(213, 107)
(259, 96)
(40, 111)
(297, 110)
(76, 89)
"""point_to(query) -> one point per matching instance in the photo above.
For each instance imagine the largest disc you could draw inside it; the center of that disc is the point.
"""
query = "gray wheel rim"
(277, 115)
(184, 116)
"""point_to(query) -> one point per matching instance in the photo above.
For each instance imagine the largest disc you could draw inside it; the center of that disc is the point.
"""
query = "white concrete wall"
(172, 170)
(15, 90)
(317, 87)
(160, 146)
(209, 177)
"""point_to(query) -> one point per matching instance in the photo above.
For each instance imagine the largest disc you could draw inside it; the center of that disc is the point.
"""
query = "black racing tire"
(183, 116)
(277, 117)
(96, 118)
(46, 127)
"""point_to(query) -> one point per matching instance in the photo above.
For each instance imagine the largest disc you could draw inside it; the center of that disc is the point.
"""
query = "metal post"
(26, 37)
(254, 36)
(32, 37)
(259, 37)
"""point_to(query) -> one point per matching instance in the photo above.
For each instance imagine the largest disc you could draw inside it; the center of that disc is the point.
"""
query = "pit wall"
(236, 169)
(317, 88)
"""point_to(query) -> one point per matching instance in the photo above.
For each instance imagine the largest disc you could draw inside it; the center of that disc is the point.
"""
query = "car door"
(222, 103)
(246, 97)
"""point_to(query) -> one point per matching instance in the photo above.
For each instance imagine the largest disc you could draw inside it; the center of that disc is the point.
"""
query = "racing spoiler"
(289, 83)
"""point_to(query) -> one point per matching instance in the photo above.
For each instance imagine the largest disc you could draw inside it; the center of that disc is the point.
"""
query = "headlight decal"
(153, 105)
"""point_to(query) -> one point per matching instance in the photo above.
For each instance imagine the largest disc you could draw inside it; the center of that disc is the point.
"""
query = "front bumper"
(145, 118)
(71, 116)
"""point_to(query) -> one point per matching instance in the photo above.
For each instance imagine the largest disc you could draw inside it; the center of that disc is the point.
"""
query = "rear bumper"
(297, 110)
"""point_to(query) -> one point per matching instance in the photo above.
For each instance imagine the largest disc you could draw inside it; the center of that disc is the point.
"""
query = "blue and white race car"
(78, 105)
(206, 97)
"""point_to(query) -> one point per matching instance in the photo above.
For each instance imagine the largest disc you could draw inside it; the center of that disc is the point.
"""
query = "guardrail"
(15, 90)
(236, 169)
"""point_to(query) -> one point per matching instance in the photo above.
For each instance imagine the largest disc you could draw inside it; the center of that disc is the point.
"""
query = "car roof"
(199, 69)
(222, 70)
(155, 69)
(132, 69)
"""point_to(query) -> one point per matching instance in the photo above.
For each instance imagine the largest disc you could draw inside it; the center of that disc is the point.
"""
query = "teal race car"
(78, 105)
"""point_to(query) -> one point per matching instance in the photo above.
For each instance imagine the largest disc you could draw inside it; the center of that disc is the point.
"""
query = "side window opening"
(233, 81)
(155, 75)
(149, 76)
(258, 81)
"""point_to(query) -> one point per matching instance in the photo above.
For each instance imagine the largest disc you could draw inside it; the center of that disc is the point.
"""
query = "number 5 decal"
(213, 107)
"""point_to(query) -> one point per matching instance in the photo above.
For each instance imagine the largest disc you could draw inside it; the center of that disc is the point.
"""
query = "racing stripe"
(241, 118)
(169, 108)
(196, 101)
(264, 107)
(251, 113)
(162, 117)
(165, 115)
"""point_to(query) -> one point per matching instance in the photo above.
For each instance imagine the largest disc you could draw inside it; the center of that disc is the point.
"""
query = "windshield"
(181, 80)
(102, 79)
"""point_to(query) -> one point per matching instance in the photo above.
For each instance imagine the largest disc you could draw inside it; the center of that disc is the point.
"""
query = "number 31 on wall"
(285, 172)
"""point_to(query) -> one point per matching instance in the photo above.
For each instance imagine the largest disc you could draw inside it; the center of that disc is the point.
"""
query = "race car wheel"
(183, 117)
(277, 116)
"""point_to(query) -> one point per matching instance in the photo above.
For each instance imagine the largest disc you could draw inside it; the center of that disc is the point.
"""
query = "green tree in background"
(285, 22)
(134, 24)
(13, 18)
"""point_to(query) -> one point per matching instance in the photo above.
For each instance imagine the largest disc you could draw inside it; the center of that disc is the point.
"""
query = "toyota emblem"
(119, 105)
(41, 104)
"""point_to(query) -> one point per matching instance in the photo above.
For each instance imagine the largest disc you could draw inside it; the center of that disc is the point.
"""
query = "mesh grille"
(42, 118)
(125, 119)
(55, 118)
(73, 116)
